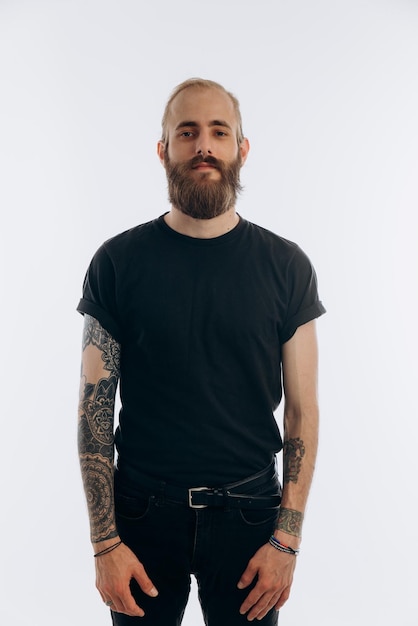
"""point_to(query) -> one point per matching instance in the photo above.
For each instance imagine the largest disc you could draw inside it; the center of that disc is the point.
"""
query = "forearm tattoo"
(95, 432)
(293, 453)
(290, 522)
(98, 485)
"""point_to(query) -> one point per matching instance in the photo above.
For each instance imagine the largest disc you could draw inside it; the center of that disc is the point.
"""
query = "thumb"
(144, 581)
(247, 577)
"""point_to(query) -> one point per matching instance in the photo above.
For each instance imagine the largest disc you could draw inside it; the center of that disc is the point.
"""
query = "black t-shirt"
(201, 323)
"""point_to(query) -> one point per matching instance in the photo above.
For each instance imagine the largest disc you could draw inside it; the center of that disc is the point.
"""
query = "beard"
(203, 198)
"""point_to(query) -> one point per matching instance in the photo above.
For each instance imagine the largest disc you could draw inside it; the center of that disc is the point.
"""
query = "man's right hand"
(114, 572)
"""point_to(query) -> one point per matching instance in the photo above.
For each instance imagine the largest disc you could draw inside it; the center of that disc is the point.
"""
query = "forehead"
(202, 106)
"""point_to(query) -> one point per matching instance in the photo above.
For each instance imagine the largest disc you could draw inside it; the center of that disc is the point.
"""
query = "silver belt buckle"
(196, 506)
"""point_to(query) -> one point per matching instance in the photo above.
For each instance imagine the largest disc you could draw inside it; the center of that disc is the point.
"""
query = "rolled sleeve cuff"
(302, 317)
(106, 320)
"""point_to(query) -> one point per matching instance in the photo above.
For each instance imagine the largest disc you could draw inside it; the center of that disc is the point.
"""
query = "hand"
(274, 570)
(114, 572)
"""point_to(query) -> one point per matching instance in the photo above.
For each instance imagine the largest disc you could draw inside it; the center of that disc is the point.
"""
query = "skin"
(273, 568)
(99, 379)
(201, 121)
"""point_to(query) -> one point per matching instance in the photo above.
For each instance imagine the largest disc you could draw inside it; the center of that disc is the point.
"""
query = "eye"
(186, 133)
(221, 133)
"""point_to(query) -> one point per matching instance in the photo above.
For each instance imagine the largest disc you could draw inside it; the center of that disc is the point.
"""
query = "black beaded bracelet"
(108, 549)
(282, 548)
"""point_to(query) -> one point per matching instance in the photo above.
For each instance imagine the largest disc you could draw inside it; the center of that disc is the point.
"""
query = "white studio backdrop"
(329, 97)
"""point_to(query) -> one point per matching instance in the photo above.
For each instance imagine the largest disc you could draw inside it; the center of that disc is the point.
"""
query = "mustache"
(207, 159)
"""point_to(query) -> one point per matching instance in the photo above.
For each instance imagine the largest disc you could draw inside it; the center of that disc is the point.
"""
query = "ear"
(161, 152)
(244, 149)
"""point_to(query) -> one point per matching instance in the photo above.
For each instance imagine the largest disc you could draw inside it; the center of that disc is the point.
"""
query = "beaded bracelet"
(281, 547)
(108, 549)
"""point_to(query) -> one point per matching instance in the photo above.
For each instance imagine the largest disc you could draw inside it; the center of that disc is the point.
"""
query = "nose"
(203, 144)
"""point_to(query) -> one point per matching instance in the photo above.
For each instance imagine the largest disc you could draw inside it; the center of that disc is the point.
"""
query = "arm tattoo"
(96, 335)
(95, 432)
(293, 453)
(98, 485)
(97, 405)
(290, 522)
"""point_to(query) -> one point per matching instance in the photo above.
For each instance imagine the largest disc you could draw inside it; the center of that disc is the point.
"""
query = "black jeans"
(173, 541)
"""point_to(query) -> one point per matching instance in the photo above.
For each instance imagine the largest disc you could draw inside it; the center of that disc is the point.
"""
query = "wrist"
(283, 547)
(105, 543)
(287, 539)
(290, 523)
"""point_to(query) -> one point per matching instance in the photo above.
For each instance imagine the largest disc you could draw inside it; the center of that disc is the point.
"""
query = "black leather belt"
(234, 495)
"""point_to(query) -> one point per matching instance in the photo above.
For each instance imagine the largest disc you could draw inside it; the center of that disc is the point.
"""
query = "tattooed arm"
(273, 568)
(99, 379)
(300, 356)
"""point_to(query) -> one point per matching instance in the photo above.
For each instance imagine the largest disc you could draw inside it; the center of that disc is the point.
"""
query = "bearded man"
(200, 315)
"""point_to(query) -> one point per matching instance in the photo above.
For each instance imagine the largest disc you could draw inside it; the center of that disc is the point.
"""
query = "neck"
(201, 229)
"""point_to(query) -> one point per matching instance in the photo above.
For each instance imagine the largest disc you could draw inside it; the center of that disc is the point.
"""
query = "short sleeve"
(303, 300)
(99, 293)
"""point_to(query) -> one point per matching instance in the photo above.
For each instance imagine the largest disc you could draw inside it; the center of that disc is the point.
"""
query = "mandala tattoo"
(98, 487)
(290, 522)
(96, 335)
(293, 453)
(95, 432)
(99, 409)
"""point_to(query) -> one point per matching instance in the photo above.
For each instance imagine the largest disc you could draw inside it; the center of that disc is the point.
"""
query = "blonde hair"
(205, 84)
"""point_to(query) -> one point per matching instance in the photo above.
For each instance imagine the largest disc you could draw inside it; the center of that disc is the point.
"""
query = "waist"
(260, 490)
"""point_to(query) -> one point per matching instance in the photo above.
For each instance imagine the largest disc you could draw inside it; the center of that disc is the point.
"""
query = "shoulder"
(117, 252)
(279, 246)
(130, 237)
(132, 243)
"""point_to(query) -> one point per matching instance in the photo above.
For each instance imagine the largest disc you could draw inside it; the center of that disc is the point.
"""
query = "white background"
(329, 97)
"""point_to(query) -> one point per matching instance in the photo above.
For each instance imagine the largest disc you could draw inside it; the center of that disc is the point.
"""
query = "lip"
(204, 166)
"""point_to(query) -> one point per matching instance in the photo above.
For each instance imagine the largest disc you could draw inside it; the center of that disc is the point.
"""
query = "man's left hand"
(274, 571)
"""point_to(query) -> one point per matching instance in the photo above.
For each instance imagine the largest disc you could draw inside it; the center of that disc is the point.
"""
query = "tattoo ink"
(95, 432)
(290, 522)
(293, 453)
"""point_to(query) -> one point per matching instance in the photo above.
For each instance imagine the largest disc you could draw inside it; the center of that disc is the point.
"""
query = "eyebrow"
(195, 124)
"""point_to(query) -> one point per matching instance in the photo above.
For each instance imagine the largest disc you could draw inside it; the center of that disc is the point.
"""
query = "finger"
(247, 577)
(126, 605)
(122, 601)
(262, 607)
(145, 582)
(282, 599)
(251, 600)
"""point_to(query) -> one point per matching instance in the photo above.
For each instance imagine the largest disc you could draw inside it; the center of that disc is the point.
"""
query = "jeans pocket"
(257, 517)
(132, 508)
